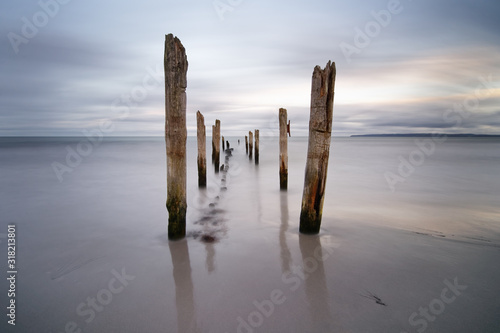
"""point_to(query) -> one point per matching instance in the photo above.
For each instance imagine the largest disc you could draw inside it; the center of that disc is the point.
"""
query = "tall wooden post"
(175, 65)
(283, 150)
(202, 150)
(216, 145)
(223, 144)
(246, 143)
(318, 151)
(256, 146)
(250, 144)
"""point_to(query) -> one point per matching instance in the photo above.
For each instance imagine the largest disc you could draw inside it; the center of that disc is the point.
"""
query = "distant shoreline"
(467, 135)
(74, 137)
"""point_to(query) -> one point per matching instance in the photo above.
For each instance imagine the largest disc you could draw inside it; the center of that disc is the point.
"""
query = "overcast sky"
(402, 67)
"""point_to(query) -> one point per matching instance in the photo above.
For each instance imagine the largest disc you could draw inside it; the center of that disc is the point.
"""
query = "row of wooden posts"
(320, 128)
(249, 147)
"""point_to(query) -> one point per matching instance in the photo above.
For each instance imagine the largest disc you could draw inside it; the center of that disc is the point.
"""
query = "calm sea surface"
(451, 187)
(86, 211)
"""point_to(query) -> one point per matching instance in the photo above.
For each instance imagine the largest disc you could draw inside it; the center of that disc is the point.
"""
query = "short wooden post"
(216, 145)
(256, 146)
(175, 66)
(318, 151)
(246, 143)
(202, 150)
(250, 144)
(223, 144)
(213, 145)
(283, 150)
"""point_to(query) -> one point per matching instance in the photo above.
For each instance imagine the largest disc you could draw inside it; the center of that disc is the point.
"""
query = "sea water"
(91, 227)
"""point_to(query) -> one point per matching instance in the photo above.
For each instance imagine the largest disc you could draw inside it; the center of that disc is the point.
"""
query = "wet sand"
(94, 257)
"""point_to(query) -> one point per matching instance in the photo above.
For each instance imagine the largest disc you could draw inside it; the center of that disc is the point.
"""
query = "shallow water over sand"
(100, 236)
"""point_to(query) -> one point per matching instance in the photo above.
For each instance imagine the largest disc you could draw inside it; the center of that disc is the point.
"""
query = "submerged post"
(223, 144)
(256, 146)
(283, 150)
(246, 143)
(175, 66)
(202, 150)
(250, 144)
(318, 151)
(216, 145)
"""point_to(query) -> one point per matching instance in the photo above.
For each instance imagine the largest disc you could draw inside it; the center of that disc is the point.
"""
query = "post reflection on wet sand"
(285, 254)
(210, 260)
(313, 254)
(315, 284)
(210, 216)
(211, 223)
(184, 294)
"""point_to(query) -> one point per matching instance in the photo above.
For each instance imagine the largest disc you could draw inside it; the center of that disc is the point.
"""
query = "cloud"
(244, 68)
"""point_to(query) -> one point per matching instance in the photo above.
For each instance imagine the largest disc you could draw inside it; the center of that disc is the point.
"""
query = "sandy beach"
(94, 257)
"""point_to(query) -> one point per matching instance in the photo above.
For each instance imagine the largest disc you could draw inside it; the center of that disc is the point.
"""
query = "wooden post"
(213, 146)
(202, 150)
(250, 144)
(246, 143)
(216, 145)
(288, 128)
(318, 150)
(175, 66)
(256, 146)
(223, 144)
(283, 150)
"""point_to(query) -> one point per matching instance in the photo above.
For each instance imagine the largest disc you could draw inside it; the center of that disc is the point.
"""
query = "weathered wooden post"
(288, 128)
(213, 145)
(202, 150)
(318, 150)
(250, 144)
(216, 145)
(283, 150)
(246, 143)
(175, 66)
(223, 144)
(256, 146)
